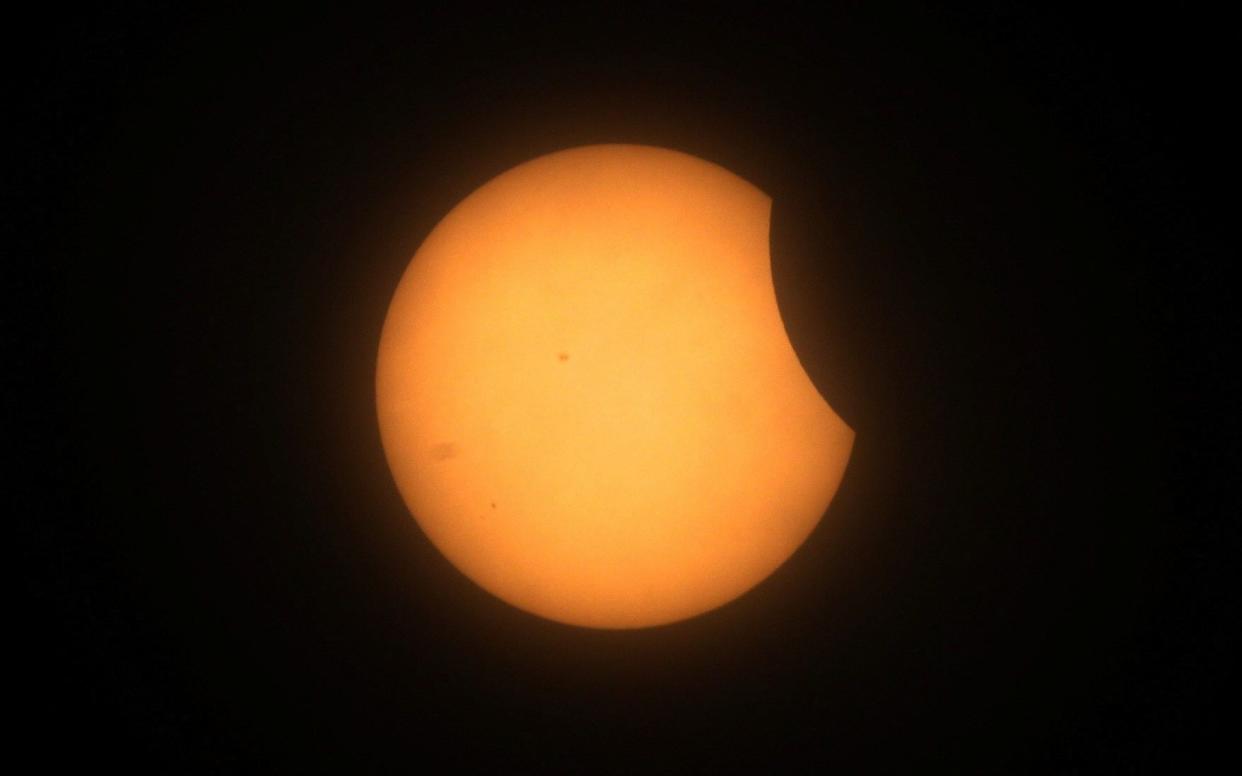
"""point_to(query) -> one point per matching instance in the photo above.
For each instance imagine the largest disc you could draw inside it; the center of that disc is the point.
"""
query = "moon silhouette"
(587, 397)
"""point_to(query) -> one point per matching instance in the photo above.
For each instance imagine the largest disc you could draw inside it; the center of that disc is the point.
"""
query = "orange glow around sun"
(588, 399)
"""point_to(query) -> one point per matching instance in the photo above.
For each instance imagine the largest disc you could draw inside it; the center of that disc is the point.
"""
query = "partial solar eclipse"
(587, 396)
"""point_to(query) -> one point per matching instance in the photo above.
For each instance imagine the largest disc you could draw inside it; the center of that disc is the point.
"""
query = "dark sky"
(994, 243)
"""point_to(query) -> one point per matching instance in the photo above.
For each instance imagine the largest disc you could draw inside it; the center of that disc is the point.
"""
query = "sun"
(587, 397)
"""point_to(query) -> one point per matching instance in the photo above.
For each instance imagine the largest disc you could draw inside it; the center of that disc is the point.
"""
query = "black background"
(991, 243)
